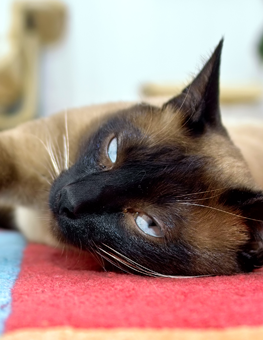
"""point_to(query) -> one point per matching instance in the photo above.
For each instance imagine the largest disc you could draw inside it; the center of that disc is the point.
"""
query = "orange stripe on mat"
(66, 333)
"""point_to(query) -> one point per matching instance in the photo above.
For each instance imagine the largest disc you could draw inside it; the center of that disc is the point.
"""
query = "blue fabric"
(12, 245)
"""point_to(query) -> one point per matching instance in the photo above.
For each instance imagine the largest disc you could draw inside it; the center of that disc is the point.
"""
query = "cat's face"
(161, 190)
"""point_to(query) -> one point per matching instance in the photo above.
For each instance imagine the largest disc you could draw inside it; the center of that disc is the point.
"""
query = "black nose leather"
(83, 197)
(65, 206)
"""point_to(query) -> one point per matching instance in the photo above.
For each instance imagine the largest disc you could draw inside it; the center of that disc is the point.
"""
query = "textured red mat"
(71, 290)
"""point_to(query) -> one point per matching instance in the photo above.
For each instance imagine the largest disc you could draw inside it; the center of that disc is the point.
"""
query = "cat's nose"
(65, 206)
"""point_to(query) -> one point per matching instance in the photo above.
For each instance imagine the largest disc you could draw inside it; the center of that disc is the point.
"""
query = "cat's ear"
(199, 101)
(250, 205)
(252, 254)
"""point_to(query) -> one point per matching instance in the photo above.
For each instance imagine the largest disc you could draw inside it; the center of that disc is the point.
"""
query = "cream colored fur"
(33, 226)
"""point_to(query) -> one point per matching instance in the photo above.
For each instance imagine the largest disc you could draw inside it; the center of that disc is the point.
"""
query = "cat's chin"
(66, 233)
(58, 233)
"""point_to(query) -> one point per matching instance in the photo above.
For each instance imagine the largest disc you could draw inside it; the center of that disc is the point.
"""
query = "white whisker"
(116, 264)
(140, 268)
(66, 142)
(199, 199)
(65, 153)
(128, 264)
(53, 159)
(54, 167)
(223, 211)
(202, 192)
(96, 254)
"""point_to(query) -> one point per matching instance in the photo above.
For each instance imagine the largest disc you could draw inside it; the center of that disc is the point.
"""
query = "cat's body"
(155, 190)
(248, 137)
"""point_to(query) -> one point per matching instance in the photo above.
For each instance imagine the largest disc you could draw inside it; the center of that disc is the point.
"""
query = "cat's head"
(164, 190)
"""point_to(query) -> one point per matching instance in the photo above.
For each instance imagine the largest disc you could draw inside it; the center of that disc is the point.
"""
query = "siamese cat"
(160, 191)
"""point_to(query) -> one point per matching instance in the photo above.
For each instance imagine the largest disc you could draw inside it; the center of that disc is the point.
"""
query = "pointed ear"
(199, 101)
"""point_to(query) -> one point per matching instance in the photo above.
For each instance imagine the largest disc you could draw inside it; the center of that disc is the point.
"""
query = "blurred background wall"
(112, 47)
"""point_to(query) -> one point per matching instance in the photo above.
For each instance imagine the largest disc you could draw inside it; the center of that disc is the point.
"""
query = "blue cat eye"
(112, 150)
(148, 226)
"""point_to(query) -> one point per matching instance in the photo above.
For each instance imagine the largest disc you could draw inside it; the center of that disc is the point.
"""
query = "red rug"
(65, 296)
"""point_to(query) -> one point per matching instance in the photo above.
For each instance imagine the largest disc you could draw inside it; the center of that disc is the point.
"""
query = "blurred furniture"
(239, 94)
(33, 24)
